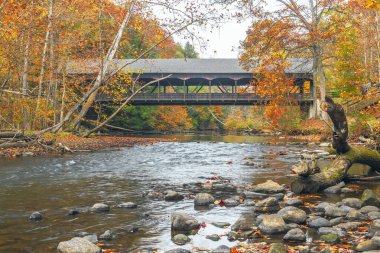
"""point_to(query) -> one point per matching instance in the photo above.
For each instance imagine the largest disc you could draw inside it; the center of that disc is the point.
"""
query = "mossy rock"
(369, 198)
(330, 238)
(277, 248)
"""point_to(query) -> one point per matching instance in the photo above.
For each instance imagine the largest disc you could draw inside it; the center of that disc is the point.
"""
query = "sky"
(223, 42)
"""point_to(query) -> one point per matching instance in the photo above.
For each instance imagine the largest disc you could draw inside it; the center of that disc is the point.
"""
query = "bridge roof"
(181, 66)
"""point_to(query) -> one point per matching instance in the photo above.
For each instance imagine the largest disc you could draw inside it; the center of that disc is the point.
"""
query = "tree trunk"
(44, 53)
(347, 155)
(104, 69)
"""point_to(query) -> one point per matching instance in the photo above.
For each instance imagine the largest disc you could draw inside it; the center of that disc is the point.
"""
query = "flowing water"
(55, 184)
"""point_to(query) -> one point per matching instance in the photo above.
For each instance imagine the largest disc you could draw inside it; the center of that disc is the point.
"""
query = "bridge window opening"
(307, 87)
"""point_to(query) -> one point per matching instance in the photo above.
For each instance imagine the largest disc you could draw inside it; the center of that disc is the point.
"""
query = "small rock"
(178, 251)
(221, 249)
(330, 238)
(295, 234)
(77, 245)
(128, 205)
(277, 248)
(369, 198)
(368, 209)
(374, 215)
(232, 236)
(319, 222)
(107, 236)
(325, 231)
(203, 199)
(291, 226)
(213, 237)
(355, 215)
(349, 225)
(244, 223)
(73, 211)
(173, 196)
(272, 224)
(352, 202)
(230, 202)
(183, 222)
(334, 211)
(36, 216)
(249, 203)
(181, 239)
(367, 245)
(100, 208)
(321, 206)
(341, 184)
(336, 221)
(332, 190)
(292, 214)
(269, 187)
(293, 202)
(256, 195)
(267, 205)
(221, 224)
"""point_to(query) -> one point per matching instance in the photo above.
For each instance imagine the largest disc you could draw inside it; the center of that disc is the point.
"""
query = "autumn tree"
(296, 29)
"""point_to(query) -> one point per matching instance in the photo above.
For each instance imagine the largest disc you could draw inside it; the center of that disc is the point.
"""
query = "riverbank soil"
(69, 143)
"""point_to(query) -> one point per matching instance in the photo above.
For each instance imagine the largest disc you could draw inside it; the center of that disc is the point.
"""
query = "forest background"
(38, 38)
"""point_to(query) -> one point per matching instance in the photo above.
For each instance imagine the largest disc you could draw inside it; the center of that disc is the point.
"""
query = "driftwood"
(347, 155)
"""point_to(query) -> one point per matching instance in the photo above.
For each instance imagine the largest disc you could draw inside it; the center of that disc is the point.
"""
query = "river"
(55, 184)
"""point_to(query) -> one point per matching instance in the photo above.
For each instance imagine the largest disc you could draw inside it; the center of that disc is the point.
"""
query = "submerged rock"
(221, 249)
(230, 202)
(183, 222)
(221, 224)
(203, 199)
(77, 245)
(272, 224)
(269, 187)
(128, 205)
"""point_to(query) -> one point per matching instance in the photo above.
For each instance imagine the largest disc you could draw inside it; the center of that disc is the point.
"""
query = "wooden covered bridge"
(201, 81)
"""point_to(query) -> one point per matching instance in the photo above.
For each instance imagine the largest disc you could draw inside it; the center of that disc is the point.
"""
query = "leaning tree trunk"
(347, 155)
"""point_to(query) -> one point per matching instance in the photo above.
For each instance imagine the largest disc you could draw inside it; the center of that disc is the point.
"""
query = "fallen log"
(347, 155)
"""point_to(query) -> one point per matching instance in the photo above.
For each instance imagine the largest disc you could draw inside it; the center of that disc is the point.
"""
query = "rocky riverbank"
(277, 221)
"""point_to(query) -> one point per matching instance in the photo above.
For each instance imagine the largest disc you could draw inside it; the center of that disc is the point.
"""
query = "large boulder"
(269, 187)
(292, 214)
(184, 222)
(272, 224)
(203, 199)
(77, 245)
(369, 198)
(267, 205)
